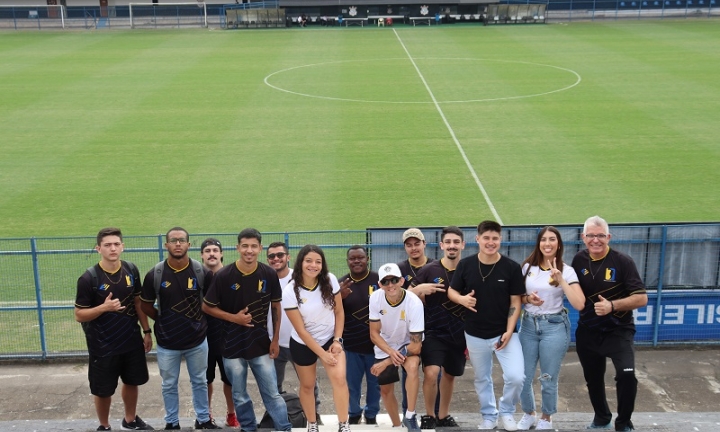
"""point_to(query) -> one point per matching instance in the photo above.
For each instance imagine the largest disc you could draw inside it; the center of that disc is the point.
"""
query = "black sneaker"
(428, 422)
(103, 428)
(172, 426)
(318, 420)
(210, 424)
(448, 421)
(370, 420)
(354, 419)
(137, 424)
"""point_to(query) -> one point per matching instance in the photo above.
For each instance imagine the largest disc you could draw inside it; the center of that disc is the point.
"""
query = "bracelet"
(612, 305)
(148, 331)
(524, 296)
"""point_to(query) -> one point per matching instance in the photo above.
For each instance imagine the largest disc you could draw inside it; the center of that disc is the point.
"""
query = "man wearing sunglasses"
(212, 258)
(278, 257)
(613, 289)
(397, 324)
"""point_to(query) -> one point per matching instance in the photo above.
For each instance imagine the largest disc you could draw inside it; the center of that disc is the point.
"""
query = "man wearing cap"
(397, 324)
(241, 295)
(356, 288)
(212, 258)
(414, 242)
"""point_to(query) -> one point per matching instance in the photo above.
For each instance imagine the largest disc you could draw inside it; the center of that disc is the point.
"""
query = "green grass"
(150, 129)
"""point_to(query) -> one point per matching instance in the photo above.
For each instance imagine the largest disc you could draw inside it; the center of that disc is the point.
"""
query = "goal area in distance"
(32, 17)
(152, 15)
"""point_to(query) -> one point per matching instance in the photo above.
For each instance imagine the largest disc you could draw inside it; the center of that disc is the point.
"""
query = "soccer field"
(327, 129)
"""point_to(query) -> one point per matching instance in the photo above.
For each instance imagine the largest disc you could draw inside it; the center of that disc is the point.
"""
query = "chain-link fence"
(680, 264)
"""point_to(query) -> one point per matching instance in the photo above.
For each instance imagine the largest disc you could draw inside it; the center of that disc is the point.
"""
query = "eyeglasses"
(279, 255)
(178, 240)
(596, 236)
(388, 281)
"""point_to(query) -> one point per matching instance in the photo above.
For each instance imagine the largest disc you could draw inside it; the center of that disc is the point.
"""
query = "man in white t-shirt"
(397, 323)
(278, 257)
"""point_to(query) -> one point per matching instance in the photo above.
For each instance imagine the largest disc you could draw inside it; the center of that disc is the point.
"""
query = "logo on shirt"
(165, 284)
(383, 312)
(438, 280)
(262, 286)
(372, 289)
(609, 274)
(302, 301)
(235, 286)
(129, 280)
(104, 287)
(192, 284)
(402, 315)
(585, 272)
(408, 278)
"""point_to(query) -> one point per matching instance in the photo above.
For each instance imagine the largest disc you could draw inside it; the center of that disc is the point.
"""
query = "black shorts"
(103, 372)
(390, 375)
(304, 356)
(215, 358)
(438, 352)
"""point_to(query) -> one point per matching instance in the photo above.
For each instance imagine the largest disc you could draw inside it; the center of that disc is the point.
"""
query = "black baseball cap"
(210, 242)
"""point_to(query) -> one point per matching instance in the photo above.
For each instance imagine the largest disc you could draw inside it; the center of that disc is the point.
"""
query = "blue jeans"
(169, 365)
(544, 339)
(263, 368)
(358, 365)
(511, 362)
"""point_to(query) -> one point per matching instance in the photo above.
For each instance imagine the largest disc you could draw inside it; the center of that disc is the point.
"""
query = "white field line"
(452, 133)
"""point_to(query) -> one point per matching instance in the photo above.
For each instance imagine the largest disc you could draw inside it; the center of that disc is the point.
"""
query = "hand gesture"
(244, 318)
(603, 306)
(112, 305)
(345, 288)
(427, 289)
(534, 299)
(469, 301)
(555, 274)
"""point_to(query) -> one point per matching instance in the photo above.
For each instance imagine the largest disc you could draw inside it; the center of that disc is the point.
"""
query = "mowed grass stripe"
(187, 133)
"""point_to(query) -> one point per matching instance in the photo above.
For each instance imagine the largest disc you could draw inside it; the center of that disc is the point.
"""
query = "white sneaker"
(508, 422)
(526, 422)
(543, 424)
(487, 424)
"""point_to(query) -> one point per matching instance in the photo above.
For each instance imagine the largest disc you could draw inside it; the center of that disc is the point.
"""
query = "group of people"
(419, 317)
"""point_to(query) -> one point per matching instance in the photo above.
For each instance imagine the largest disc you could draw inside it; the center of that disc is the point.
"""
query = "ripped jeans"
(544, 339)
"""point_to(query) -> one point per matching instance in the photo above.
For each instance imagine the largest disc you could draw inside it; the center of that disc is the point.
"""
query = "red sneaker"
(232, 421)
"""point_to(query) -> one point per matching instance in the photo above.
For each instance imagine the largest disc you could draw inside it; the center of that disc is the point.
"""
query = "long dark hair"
(536, 257)
(326, 289)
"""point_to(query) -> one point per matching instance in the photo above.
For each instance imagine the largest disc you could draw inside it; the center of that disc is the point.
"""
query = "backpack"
(296, 416)
(157, 278)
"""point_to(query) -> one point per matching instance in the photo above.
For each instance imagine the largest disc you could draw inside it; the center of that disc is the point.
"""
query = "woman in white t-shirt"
(545, 327)
(313, 305)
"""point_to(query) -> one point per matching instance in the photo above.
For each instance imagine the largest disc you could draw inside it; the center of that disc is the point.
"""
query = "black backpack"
(296, 416)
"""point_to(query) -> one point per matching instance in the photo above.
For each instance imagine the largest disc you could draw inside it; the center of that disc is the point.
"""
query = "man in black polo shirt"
(613, 288)
(489, 285)
(355, 289)
(241, 295)
(108, 307)
(180, 327)
(444, 345)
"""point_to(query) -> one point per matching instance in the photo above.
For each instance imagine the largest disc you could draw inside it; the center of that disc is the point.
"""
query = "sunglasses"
(279, 255)
(388, 281)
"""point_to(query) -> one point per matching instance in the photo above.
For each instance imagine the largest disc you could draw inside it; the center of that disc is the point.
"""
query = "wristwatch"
(148, 331)
(339, 340)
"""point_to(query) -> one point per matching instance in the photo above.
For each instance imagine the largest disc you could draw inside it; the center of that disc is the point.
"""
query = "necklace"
(598, 269)
(480, 264)
(114, 282)
(412, 267)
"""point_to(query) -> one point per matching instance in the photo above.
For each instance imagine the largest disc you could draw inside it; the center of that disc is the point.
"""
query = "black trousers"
(593, 349)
